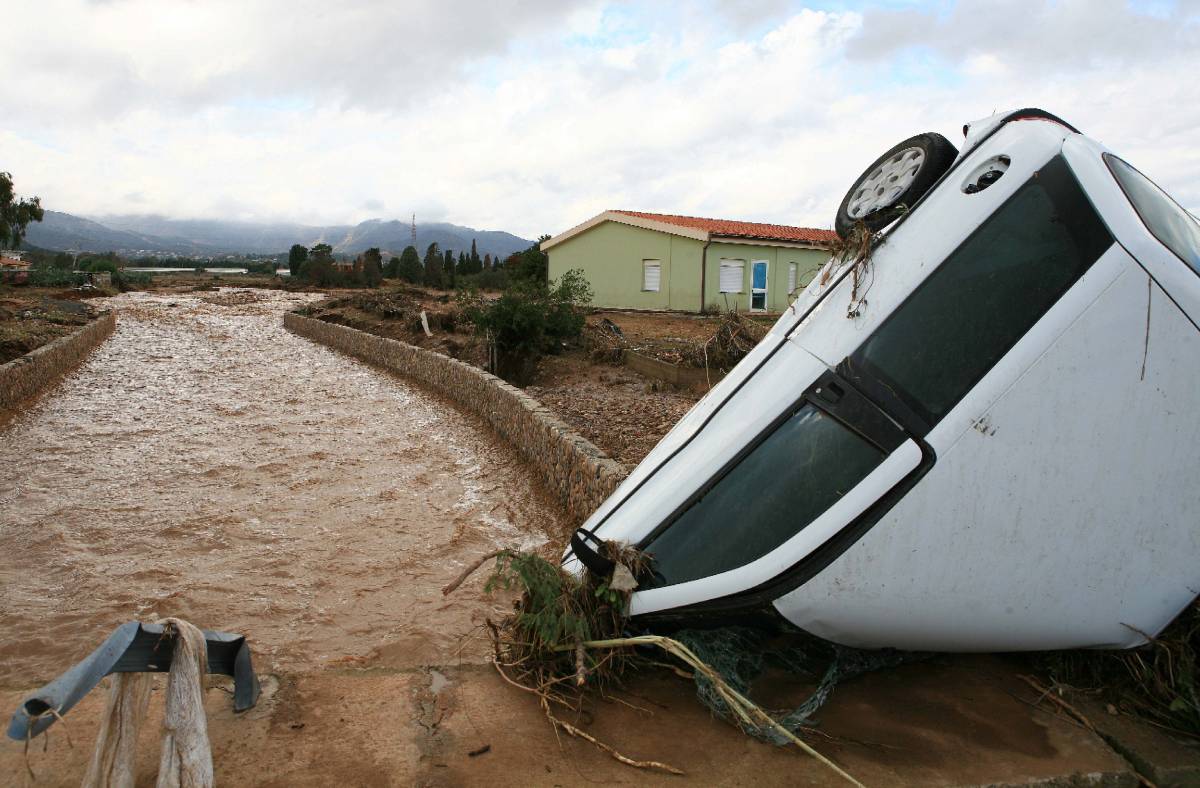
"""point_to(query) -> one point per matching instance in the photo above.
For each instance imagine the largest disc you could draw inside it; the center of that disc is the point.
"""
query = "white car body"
(1054, 504)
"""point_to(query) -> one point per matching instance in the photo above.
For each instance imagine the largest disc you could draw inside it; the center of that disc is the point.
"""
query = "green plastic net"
(742, 654)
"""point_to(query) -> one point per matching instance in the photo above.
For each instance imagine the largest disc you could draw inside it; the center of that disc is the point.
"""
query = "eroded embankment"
(208, 464)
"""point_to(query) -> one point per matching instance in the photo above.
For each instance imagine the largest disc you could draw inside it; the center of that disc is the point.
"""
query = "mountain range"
(148, 234)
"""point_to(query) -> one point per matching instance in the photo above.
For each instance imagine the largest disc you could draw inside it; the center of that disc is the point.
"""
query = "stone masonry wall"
(28, 375)
(574, 469)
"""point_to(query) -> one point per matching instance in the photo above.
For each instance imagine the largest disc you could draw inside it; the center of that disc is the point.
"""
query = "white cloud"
(532, 117)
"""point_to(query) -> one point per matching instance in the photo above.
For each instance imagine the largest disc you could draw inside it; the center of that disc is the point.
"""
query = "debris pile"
(734, 338)
(604, 342)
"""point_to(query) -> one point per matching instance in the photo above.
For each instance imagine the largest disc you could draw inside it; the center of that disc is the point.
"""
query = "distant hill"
(157, 235)
(394, 236)
(62, 231)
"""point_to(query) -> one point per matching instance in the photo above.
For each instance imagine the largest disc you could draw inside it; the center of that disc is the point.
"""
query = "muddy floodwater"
(206, 463)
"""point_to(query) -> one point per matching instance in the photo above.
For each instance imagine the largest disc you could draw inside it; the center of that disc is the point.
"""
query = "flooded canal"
(206, 463)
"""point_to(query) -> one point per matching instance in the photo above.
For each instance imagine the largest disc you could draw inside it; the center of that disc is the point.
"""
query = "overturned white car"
(984, 437)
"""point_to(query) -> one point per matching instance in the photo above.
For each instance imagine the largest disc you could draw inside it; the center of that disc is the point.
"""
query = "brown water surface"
(206, 463)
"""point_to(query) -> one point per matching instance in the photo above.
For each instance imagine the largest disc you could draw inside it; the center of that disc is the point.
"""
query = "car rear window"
(983, 298)
(1166, 220)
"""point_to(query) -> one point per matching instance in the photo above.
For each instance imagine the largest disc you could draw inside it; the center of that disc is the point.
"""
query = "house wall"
(808, 261)
(611, 254)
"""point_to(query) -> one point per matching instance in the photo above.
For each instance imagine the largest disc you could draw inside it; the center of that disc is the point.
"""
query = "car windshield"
(1166, 220)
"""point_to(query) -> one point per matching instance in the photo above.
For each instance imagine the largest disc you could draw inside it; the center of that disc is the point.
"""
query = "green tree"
(372, 267)
(296, 257)
(409, 267)
(448, 268)
(476, 261)
(15, 214)
(433, 266)
(469, 265)
(318, 268)
(531, 265)
(487, 262)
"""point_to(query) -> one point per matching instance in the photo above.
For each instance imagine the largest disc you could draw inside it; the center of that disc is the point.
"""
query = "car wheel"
(896, 180)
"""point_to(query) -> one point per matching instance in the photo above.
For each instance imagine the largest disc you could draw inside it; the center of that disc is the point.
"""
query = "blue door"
(758, 286)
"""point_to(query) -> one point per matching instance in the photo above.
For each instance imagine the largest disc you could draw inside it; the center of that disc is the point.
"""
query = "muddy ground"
(966, 722)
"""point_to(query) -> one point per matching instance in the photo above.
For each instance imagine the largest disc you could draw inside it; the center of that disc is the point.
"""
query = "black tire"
(939, 154)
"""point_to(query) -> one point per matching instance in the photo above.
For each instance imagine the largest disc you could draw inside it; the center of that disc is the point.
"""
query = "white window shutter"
(651, 275)
(791, 278)
(732, 275)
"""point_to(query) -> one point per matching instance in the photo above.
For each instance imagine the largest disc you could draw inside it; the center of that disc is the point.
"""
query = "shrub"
(55, 277)
(127, 279)
(491, 279)
(100, 265)
(527, 320)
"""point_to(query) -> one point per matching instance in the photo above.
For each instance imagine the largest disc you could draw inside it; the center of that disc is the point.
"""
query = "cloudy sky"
(533, 116)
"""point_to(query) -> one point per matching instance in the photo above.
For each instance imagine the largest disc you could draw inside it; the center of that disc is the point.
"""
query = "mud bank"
(32, 373)
(578, 472)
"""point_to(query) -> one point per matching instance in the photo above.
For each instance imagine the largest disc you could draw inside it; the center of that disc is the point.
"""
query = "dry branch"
(470, 570)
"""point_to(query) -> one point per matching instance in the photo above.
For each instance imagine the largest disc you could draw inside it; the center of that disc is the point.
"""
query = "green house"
(637, 260)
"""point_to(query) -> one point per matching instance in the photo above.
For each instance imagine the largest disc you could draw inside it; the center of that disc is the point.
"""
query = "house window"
(651, 275)
(732, 275)
(791, 278)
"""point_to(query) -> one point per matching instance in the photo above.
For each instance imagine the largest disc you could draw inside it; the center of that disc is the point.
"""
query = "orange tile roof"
(732, 229)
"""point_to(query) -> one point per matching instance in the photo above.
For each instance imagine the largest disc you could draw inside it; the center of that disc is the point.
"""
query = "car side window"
(784, 483)
(1174, 227)
(985, 296)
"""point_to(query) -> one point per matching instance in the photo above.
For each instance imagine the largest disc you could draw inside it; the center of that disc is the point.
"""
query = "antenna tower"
(414, 231)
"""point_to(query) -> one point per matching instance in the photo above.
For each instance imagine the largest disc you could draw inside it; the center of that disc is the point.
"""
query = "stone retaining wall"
(672, 373)
(35, 371)
(574, 469)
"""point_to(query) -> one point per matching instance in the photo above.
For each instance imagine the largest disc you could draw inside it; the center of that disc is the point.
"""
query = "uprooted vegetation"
(566, 643)
(1158, 682)
(569, 644)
